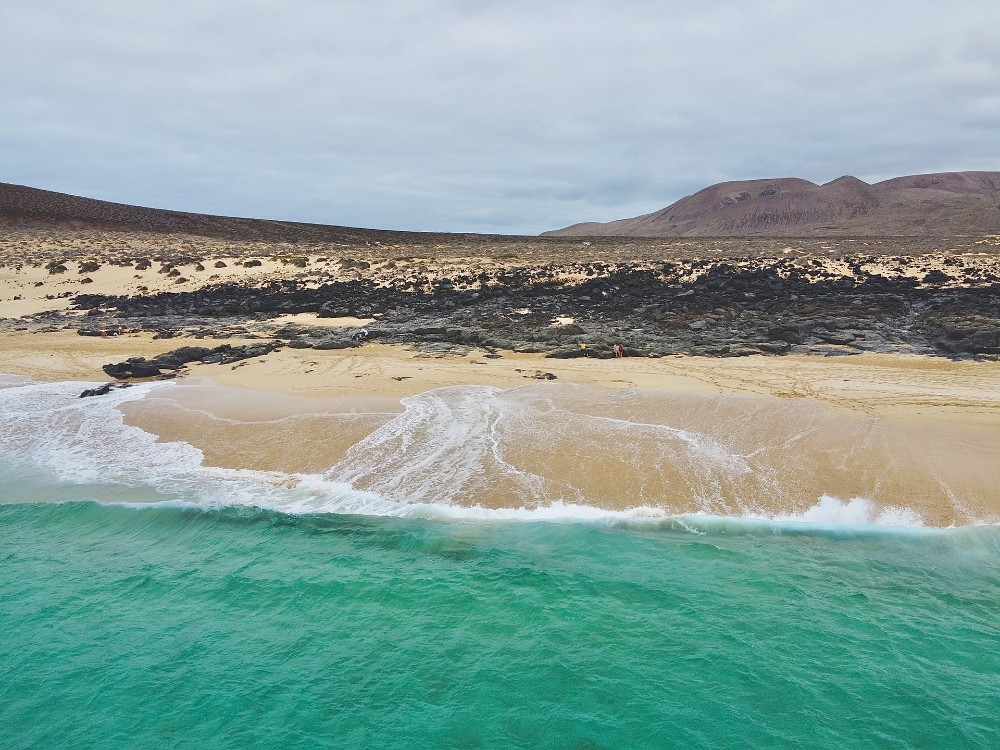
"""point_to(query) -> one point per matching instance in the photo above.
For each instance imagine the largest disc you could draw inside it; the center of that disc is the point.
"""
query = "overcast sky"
(511, 116)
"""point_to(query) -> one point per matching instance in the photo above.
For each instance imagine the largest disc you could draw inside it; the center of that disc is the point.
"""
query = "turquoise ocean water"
(204, 621)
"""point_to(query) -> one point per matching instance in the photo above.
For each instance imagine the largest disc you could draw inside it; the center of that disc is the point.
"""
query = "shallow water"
(545, 567)
(130, 627)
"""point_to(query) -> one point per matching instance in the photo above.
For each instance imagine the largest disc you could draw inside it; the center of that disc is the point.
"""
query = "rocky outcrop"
(140, 367)
(711, 308)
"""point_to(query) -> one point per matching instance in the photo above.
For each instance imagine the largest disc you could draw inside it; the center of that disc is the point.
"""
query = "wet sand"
(772, 435)
(677, 450)
(908, 433)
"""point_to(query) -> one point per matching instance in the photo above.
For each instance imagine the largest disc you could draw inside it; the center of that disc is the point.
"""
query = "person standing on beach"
(619, 351)
(583, 349)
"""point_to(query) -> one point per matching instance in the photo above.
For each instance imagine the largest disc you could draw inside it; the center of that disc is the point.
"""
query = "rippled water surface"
(531, 568)
(163, 626)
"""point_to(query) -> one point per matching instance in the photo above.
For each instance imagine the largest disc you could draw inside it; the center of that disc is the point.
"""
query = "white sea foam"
(456, 444)
(84, 440)
(858, 511)
(446, 446)
(12, 381)
(429, 462)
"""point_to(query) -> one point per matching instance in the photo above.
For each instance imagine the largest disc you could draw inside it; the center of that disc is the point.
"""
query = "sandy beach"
(499, 375)
(906, 431)
(901, 387)
(471, 388)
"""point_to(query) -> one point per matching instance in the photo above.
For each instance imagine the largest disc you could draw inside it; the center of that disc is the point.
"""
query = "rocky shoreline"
(721, 297)
(696, 308)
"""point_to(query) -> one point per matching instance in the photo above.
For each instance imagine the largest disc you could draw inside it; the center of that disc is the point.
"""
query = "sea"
(183, 565)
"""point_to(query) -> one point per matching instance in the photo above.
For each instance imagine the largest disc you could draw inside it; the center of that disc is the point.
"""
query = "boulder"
(139, 367)
(101, 390)
(834, 337)
(773, 347)
(936, 276)
(333, 310)
(787, 333)
(335, 341)
(567, 329)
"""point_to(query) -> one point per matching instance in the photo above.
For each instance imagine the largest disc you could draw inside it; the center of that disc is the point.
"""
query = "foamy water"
(543, 567)
(535, 453)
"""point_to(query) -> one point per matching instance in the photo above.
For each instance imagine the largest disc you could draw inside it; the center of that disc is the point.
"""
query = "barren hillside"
(951, 203)
(28, 207)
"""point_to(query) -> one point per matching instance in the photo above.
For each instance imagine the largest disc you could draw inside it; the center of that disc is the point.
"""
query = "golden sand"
(904, 387)
(904, 431)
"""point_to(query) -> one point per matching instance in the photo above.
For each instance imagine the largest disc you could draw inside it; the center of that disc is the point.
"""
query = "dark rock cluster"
(140, 367)
(771, 306)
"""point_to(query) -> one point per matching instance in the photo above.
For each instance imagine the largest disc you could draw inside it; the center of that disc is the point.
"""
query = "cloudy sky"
(511, 116)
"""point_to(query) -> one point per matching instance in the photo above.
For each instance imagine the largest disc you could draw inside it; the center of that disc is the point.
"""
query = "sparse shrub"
(253, 263)
(142, 264)
(173, 272)
(199, 267)
(89, 266)
(56, 268)
(220, 264)
(86, 280)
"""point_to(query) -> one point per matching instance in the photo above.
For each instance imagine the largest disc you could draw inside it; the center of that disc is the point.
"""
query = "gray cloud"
(480, 116)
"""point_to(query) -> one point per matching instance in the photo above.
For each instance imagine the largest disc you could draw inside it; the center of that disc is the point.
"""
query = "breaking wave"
(475, 453)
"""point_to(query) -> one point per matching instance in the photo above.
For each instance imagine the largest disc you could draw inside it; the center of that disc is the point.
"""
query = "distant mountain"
(31, 207)
(950, 203)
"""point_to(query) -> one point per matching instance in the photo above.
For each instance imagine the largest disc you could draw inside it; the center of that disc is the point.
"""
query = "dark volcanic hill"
(30, 207)
(950, 203)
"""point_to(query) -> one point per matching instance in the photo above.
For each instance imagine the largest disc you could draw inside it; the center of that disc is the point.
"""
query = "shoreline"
(881, 385)
(758, 377)
(878, 434)
(900, 387)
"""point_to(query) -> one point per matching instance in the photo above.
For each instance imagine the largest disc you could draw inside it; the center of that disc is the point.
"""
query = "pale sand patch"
(897, 386)
(889, 386)
(795, 450)
(246, 429)
(34, 284)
